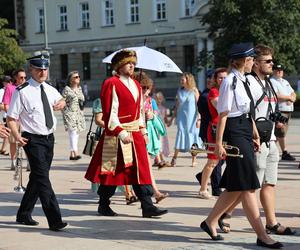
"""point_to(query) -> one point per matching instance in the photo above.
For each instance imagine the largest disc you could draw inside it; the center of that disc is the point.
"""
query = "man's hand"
(4, 131)
(59, 105)
(21, 141)
(127, 140)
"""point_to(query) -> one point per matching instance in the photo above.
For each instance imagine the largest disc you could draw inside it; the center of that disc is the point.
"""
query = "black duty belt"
(36, 135)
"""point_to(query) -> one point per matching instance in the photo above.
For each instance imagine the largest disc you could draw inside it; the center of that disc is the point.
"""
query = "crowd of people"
(132, 126)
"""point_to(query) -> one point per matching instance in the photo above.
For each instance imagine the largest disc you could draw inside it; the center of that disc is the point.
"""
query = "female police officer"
(237, 128)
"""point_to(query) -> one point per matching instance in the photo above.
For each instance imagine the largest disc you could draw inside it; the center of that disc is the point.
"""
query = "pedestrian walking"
(33, 104)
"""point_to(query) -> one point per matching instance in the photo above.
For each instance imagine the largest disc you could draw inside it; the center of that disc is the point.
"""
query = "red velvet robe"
(129, 110)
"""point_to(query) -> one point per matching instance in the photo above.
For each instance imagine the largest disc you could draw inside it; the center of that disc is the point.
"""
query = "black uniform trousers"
(39, 150)
(143, 192)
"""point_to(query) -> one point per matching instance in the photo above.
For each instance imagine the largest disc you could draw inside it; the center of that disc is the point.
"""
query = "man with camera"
(286, 98)
(266, 116)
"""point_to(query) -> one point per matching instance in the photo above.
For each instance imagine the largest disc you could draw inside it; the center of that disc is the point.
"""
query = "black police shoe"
(106, 211)
(154, 213)
(287, 156)
(27, 221)
(58, 226)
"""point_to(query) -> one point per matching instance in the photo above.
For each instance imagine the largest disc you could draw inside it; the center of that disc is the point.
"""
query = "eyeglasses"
(76, 77)
(268, 61)
(145, 87)
(23, 77)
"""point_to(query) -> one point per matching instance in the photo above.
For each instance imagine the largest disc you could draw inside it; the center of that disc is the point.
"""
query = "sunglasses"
(145, 87)
(267, 61)
(76, 77)
(23, 77)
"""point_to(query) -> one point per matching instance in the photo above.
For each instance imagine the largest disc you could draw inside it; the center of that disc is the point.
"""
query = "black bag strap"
(252, 109)
(90, 129)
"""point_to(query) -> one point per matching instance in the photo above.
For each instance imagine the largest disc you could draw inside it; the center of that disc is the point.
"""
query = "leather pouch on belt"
(109, 154)
(127, 153)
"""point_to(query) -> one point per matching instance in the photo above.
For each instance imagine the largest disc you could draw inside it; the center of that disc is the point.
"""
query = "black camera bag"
(264, 127)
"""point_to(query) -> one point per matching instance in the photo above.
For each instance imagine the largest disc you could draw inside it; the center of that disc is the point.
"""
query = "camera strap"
(268, 91)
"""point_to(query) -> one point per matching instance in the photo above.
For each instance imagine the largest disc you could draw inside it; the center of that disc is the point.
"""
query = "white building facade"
(80, 33)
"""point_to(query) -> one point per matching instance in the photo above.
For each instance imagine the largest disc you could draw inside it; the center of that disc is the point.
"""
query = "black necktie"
(47, 110)
(252, 109)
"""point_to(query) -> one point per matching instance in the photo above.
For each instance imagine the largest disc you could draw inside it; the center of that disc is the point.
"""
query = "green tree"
(272, 22)
(11, 55)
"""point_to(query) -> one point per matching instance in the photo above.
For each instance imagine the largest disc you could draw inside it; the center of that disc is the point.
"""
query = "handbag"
(81, 104)
(265, 128)
(91, 140)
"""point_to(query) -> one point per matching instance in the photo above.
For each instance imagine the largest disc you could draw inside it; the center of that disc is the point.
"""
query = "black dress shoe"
(276, 245)
(58, 226)
(28, 222)
(205, 228)
(107, 211)
(154, 213)
(77, 157)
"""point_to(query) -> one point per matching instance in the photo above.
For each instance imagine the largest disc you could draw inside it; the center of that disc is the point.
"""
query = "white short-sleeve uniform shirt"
(233, 98)
(26, 106)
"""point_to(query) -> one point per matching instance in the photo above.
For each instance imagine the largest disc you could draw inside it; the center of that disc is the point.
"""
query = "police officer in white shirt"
(33, 104)
(287, 97)
(236, 126)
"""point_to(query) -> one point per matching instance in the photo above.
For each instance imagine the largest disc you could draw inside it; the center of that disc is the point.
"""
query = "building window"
(189, 58)
(63, 19)
(64, 65)
(85, 15)
(108, 12)
(134, 16)
(188, 7)
(86, 66)
(160, 10)
(162, 50)
(41, 21)
(108, 65)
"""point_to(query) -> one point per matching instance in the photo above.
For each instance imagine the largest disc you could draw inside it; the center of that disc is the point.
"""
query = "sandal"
(161, 197)
(132, 199)
(225, 227)
(3, 152)
(173, 162)
(275, 229)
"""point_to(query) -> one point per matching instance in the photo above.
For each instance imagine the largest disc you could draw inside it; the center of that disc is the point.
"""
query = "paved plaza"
(179, 229)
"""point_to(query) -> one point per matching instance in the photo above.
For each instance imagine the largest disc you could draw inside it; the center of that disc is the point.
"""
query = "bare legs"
(206, 173)
(249, 201)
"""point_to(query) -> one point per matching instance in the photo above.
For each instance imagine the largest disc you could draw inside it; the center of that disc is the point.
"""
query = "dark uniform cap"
(241, 50)
(277, 67)
(210, 73)
(40, 60)
(122, 57)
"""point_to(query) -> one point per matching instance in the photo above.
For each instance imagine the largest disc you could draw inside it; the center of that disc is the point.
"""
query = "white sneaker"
(205, 195)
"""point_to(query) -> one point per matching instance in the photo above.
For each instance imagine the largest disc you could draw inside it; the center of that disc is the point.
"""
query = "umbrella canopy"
(149, 59)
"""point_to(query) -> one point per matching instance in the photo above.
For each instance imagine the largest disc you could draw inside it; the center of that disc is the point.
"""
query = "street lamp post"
(46, 32)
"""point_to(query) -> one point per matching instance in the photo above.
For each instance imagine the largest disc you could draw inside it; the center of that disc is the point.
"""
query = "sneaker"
(287, 156)
(205, 195)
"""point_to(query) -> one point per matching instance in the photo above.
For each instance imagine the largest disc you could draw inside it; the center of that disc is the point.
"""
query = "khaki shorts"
(267, 164)
(281, 132)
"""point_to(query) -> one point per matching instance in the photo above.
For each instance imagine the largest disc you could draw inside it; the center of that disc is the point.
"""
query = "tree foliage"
(11, 55)
(272, 22)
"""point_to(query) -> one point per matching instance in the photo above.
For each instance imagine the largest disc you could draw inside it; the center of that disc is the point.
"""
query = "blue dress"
(186, 118)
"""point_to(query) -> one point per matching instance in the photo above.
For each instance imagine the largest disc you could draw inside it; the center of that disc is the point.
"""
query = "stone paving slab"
(179, 229)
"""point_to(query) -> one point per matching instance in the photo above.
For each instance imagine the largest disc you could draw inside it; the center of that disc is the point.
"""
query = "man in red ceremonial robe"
(121, 157)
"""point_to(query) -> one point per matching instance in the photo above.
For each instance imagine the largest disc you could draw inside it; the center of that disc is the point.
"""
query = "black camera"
(278, 117)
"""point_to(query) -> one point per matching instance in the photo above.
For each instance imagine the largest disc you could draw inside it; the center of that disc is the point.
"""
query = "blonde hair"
(190, 80)
(159, 95)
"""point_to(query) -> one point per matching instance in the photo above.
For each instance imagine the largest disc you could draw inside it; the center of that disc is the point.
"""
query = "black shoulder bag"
(91, 140)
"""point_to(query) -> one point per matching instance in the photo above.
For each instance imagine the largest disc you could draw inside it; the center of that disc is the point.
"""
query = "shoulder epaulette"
(22, 86)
